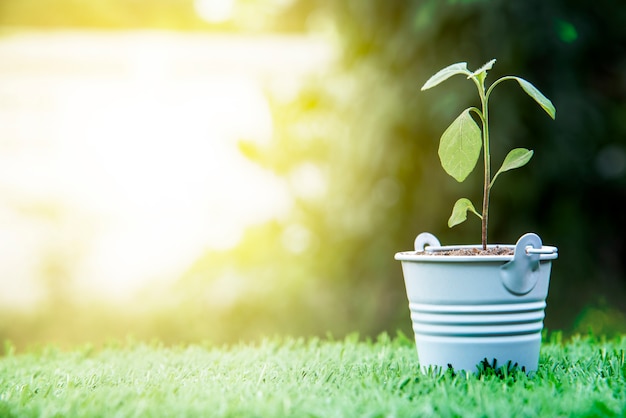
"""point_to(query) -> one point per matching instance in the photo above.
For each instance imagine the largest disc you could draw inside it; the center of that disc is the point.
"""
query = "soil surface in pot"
(472, 251)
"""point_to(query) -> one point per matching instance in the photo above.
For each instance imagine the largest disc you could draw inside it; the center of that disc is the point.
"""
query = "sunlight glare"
(132, 154)
(215, 11)
(308, 181)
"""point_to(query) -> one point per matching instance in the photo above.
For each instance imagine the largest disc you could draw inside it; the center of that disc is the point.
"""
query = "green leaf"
(517, 158)
(481, 73)
(459, 147)
(459, 212)
(446, 73)
(488, 66)
(533, 92)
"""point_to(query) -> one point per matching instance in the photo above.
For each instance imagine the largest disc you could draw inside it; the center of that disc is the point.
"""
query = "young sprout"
(461, 143)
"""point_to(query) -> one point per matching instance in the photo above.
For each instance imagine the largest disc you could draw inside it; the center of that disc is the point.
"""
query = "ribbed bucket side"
(471, 333)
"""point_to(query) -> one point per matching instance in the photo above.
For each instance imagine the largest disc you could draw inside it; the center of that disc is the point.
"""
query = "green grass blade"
(288, 377)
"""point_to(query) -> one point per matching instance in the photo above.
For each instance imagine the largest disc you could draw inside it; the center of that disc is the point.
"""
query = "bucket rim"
(546, 252)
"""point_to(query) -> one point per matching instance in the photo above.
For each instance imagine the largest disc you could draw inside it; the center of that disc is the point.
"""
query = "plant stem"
(487, 161)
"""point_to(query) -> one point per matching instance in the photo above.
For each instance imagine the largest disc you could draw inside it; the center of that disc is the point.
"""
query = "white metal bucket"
(466, 309)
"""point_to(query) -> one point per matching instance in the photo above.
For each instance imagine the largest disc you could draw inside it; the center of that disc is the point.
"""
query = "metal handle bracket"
(520, 275)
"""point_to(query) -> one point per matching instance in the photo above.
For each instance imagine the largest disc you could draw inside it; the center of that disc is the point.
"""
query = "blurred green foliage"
(373, 135)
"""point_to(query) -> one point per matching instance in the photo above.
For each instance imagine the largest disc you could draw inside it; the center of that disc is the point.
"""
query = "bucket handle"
(520, 275)
(425, 239)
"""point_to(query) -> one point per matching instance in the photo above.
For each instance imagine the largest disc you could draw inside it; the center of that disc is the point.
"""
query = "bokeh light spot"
(296, 238)
(215, 11)
(308, 181)
(611, 162)
(567, 32)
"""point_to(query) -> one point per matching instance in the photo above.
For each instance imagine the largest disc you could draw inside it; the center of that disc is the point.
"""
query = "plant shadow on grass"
(487, 373)
(503, 372)
(485, 369)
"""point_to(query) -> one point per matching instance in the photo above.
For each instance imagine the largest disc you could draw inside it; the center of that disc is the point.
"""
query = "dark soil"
(473, 251)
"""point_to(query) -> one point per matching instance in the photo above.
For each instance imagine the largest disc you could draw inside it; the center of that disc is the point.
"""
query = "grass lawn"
(300, 378)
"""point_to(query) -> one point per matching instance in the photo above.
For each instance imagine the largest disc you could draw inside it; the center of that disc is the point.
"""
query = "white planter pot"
(469, 308)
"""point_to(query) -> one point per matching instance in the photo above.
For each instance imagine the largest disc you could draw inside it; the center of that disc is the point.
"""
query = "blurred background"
(223, 170)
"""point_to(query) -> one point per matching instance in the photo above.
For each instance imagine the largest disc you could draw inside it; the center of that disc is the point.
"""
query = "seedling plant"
(462, 141)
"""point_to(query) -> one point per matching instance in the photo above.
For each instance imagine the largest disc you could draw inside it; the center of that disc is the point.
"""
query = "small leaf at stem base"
(459, 212)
